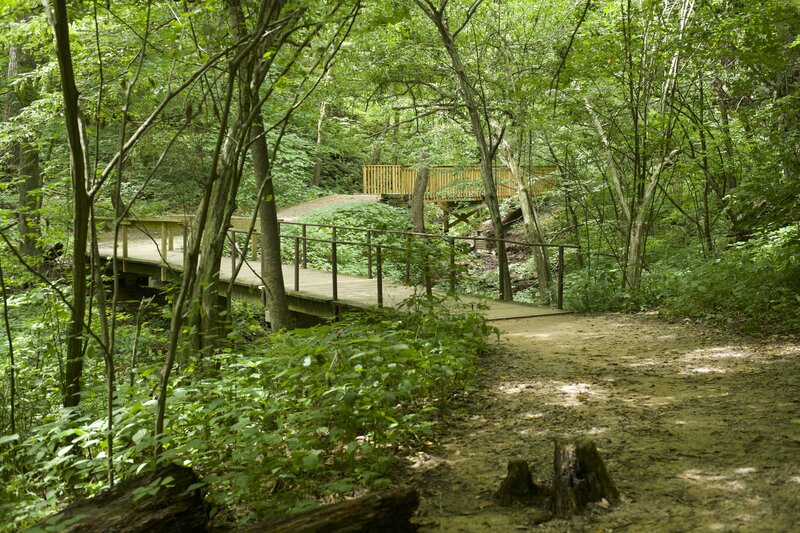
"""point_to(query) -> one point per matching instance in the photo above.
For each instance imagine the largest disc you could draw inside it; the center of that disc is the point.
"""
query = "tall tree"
(486, 143)
(80, 168)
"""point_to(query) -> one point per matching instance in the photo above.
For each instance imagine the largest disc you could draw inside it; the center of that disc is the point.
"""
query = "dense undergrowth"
(752, 286)
(273, 423)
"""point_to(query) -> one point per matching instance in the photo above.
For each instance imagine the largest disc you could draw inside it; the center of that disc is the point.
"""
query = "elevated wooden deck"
(450, 183)
(144, 258)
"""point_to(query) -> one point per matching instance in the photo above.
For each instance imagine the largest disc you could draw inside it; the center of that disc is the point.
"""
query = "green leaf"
(9, 438)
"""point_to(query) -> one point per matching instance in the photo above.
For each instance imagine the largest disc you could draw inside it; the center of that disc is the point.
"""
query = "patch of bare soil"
(699, 430)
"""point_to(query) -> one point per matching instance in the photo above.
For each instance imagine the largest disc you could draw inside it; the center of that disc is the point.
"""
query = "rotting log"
(517, 487)
(156, 501)
(580, 477)
(385, 512)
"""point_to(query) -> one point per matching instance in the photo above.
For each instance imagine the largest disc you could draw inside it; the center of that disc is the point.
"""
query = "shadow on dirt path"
(699, 430)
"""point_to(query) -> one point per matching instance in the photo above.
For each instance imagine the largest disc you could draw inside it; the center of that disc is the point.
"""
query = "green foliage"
(753, 286)
(594, 290)
(272, 424)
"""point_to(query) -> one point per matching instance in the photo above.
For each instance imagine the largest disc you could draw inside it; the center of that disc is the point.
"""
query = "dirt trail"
(700, 430)
(326, 202)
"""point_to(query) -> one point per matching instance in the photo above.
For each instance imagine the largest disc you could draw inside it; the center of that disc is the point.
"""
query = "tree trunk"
(530, 217)
(388, 512)
(418, 199)
(30, 201)
(580, 477)
(80, 201)
(270, 242)
(159, 501)
(205, 317)
(479, 131)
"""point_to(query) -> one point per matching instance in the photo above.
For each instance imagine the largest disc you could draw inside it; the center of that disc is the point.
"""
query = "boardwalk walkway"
(315, 286)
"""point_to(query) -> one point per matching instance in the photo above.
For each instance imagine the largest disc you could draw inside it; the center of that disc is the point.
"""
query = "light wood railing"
(450, 183)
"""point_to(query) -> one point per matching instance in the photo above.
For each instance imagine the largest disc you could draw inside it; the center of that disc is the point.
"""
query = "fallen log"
(388, 512)
(157, 501)
(580, 477)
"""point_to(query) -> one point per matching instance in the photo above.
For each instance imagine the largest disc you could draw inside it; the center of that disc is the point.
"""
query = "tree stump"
(580, 477)
(157, 501)
(517, 487)
(388, 512)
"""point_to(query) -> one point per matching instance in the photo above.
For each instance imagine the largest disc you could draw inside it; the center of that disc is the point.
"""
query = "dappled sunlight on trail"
(700, 431)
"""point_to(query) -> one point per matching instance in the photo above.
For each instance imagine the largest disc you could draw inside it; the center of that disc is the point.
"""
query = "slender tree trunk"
(57, 13)
(30, 201)
(530, 216)
(12, 372)
(270, 242)
(485, 150)
(205, 318)
(418, 197)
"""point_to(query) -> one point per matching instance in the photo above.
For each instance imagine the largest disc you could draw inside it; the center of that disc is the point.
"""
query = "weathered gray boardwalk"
(316, 287)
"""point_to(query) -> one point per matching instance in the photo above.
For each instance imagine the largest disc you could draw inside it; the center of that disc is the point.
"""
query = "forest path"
(700, 430)
(326, 202)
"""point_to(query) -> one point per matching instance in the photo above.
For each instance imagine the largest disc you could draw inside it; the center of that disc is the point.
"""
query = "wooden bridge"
(153, 251)
(451, 183)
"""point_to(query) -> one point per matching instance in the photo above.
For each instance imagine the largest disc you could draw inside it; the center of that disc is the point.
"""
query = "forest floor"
(699, 429)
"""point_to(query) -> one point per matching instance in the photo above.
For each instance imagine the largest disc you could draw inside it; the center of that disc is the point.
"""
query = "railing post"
(124, 241)
(426, 268)
(452, 264)
(163, 250)
(379, 261)
(408, 258)
(185, 238)
(369, 254)
(560, 299)
(500, 270)
(171, 236)
(305, 246)
(254, 244)
(334, 265)
(297, 263)
(232, 235)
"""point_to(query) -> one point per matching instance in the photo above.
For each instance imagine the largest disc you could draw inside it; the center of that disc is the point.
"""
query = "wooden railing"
(411, 248)
(450, 183)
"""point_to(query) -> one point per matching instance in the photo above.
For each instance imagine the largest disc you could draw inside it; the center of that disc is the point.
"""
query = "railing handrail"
(168, 221)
